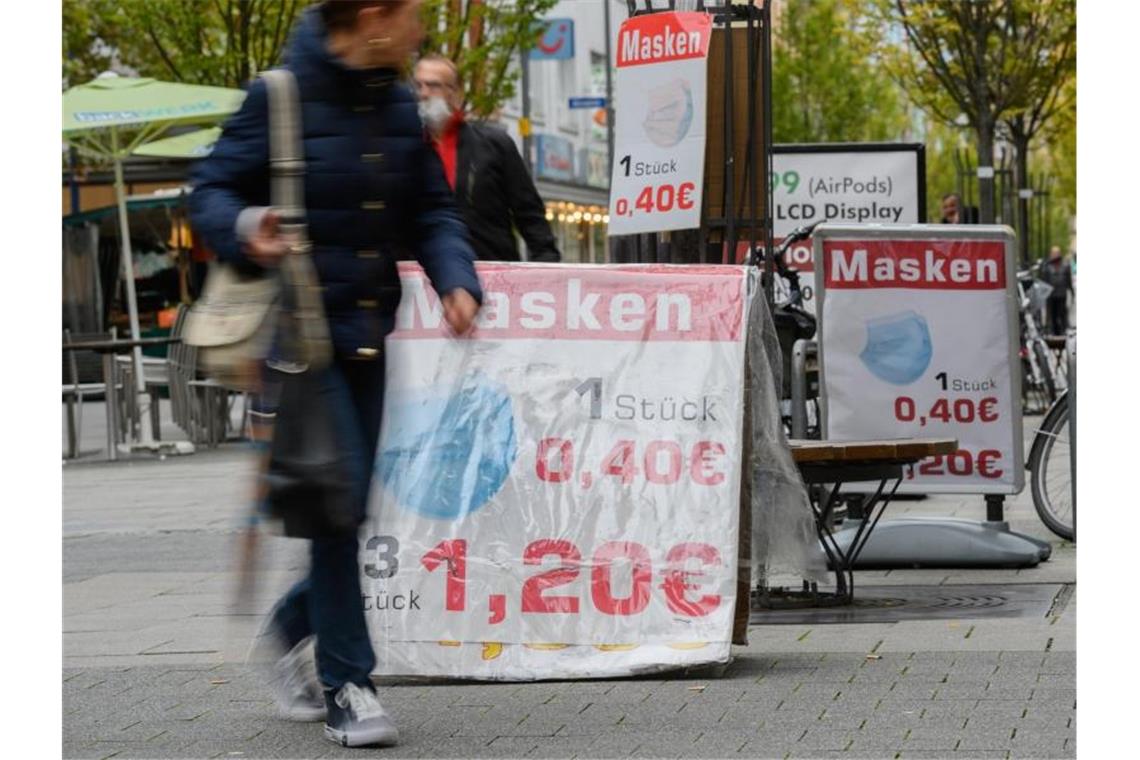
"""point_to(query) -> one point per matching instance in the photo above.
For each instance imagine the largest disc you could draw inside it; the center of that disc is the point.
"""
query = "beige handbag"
(233, 323)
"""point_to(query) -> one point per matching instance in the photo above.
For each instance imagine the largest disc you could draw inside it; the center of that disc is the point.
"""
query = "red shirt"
(447, 146)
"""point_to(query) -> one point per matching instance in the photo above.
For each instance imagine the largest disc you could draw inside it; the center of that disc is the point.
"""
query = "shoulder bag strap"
(305, 332)
(286, 159)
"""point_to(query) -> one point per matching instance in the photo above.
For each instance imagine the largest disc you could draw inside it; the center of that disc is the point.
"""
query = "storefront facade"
(569, 152)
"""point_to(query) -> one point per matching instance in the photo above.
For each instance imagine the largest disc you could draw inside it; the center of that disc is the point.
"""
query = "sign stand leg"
(948, 542)
(995, 509)
(917, 542)
(995, 520)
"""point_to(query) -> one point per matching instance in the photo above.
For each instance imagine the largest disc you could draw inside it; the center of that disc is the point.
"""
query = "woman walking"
(372, 187)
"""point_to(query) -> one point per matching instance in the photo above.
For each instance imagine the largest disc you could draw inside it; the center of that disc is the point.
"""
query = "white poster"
(557, 495)
(659, 132)
(918, 340)
(856, 186)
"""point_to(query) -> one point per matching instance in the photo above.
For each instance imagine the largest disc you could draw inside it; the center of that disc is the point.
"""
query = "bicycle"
(793, 323)
(1041, 379)
(1052, 459)
(1051, 475)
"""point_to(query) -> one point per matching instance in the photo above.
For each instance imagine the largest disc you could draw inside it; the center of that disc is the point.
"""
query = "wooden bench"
(835, 463)
(906, 450)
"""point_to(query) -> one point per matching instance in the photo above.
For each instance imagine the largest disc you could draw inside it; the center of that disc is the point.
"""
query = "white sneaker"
(357, 719)
(295, 687)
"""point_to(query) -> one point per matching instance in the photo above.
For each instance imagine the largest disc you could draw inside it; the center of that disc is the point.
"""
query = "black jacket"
(1059, 275)
(495, 192)
(373, 190)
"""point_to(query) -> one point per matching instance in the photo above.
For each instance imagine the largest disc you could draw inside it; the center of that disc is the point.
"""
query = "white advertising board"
(842, 183)
(557, 495)
(659, 130)
(918, 339)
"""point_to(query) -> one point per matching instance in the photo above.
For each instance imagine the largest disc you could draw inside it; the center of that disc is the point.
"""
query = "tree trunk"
(454, 15)
(245, 10)
(475, 41)
(986, 165)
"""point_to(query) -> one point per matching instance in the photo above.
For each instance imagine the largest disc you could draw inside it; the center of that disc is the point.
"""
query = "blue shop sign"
(557, 42)
(555, 158)
(587, 102)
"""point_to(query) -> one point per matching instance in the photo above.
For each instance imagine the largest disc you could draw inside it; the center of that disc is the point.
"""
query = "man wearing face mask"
(493, 189)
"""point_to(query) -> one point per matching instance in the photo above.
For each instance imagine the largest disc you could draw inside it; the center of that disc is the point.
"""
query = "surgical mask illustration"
(446, 452)
(670, 113)
(898, 347)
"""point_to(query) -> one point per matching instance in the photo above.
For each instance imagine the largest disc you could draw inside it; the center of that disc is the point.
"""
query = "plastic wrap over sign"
(558, 494)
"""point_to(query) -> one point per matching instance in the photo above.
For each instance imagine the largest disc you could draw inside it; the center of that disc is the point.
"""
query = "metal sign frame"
(1000, 233)
(749, 224)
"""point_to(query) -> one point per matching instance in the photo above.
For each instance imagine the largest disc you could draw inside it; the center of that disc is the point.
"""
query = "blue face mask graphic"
(445, 456)
(670, 113)
(898, 348)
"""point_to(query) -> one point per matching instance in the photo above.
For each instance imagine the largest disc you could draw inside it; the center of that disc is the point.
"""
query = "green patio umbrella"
(196, 144)
(110, 118)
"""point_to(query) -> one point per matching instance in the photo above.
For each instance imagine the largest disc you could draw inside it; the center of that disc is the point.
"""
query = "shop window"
(568, 118)
(539, 90)
(579, 230)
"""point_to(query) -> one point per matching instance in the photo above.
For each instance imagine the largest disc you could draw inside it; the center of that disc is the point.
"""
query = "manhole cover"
(879, 603)
(890, 604)
(972, 602)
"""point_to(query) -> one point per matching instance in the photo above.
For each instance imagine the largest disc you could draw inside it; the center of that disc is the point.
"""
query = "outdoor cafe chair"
(75, 391)
(200, 406)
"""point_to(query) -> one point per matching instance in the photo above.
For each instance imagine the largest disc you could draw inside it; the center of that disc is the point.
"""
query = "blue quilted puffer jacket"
(374, 190)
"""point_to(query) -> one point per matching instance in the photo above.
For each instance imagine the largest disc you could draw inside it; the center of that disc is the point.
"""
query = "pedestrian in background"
(1056, 272)
(492, 186)
(372, 186)
(954, 212)
(951, 209)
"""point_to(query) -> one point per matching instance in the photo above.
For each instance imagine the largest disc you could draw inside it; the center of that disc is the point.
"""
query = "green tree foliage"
(995, 62)
(1050, 27)
(1055, 154)
(827, 82)
(227, 42)
(942, 143)
(216, 42)
(85, 53)
(483, 38)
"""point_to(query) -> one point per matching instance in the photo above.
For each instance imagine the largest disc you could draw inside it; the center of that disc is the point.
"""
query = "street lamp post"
(524, 123)
(609, 94)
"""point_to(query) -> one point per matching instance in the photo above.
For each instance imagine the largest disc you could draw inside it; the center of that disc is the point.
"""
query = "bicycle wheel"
(1051, 469)
(1049, 384)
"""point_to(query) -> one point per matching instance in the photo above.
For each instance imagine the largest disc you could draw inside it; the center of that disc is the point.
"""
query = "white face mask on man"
(435, 112)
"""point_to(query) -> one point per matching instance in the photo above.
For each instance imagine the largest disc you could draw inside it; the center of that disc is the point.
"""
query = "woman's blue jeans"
(327, 603)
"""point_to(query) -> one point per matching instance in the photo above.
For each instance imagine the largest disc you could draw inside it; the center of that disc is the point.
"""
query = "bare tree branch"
(166, 58)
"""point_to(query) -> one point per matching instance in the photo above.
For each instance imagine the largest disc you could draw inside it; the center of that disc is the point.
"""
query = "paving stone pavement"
(154, 656)
(765, 705)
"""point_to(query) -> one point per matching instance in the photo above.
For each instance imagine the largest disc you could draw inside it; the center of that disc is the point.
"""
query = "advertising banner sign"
(845, 183)
(557, 495)
(555, 157)
(557, 41)
(918, 339)
(659, 134)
